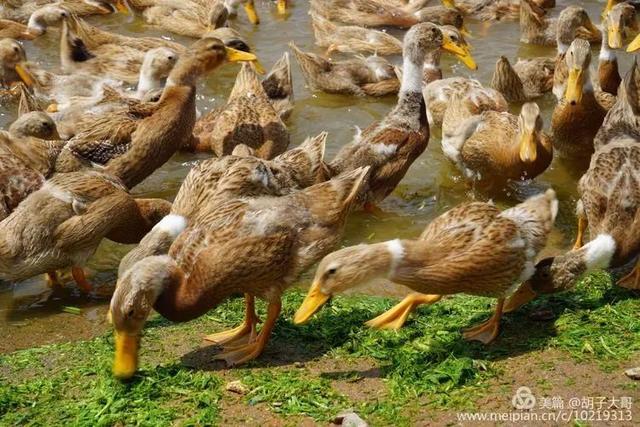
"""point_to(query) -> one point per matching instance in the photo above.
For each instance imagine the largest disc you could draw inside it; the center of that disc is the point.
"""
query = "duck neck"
(147, 82)
(411, 76)
(566, 269)
(411, 104)
(606, 53)
(191, 295)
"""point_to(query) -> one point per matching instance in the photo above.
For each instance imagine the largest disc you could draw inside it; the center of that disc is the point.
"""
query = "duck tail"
(247, 82)
(279, 83)
(338, 195)
(506, 81)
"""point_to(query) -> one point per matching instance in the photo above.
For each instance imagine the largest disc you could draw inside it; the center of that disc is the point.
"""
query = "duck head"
(204, 56)
(456, 37)
(142, 277)
(36, 124)
(578, 58)
(345, 269)
(530, 126)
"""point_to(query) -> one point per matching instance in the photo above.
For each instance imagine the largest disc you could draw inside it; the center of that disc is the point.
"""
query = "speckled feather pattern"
(232, 247)
(476, 249)
(62, 223)
(610, 194)
(389, 147)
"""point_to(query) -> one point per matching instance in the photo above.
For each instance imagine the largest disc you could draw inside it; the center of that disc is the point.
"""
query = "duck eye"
(16, 49)
(332, 271)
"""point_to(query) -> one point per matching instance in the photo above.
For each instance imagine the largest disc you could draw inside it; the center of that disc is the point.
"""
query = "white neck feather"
(411, 76)
(396, 250)
(599, 252)
(146, 83)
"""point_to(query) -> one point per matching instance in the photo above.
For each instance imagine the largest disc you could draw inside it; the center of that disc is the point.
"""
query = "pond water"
(30, 315)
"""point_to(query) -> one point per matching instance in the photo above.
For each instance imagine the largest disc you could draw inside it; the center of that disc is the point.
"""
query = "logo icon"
(523, 399)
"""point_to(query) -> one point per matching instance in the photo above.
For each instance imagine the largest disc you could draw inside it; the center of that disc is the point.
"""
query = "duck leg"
(245, 331)
(253, 349)
(486, 331)
(81, 279)
(631, 280)
(582, 227)
(397, 316)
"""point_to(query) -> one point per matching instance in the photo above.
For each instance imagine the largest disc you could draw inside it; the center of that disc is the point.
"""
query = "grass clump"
(293, 392)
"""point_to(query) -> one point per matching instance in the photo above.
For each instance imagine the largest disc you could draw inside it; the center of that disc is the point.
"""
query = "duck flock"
(253, 214)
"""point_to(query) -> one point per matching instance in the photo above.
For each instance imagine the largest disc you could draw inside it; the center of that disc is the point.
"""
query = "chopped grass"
(427, 363)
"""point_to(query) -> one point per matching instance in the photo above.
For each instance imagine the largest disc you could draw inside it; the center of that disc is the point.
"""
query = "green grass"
(427, 363)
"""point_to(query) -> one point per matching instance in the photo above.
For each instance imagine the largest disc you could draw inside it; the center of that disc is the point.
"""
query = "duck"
(374, 13)
(578, 115)
(609, 206)
(292, 232)
(473, 248)
(531, 78)
(391, 145)
(198, 7)
(573, 21)
(241, 174)
(374, 75)
(24, 10)
(28, 150)
(195, 19)
(248, 118)
(86, 49)
(622, 119)
(359, 76)
(499, 146)
(462, 105)
(494, 10)
(439, 95)
(61, 225)
(353, 38)
(615, 28)
(131, 144)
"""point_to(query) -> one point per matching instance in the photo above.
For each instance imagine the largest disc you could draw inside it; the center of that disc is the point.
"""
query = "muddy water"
(30, 315)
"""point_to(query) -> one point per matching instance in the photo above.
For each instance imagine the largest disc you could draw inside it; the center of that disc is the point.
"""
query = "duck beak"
(528, 147)
(282, 7)
(250, 10)
(523, 295)
(634, 45)
(615, 37)
(125, 363)
(573, 93)
(451, 47)
(312, 303)
(24, 75)
(462, 52)
(121, 6)
(235, 55)
(451, 4)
